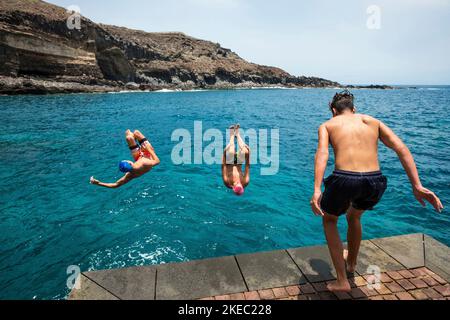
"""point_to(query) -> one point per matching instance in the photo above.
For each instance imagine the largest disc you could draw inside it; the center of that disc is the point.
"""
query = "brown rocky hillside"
(40, 54)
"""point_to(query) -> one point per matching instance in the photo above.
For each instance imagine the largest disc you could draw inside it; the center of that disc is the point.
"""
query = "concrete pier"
(413, 266)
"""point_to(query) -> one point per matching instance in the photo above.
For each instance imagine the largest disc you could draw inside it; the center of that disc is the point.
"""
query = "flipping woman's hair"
(343, 100)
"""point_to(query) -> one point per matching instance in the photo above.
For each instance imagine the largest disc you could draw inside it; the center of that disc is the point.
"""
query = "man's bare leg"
(145, 143)
(140, 137)
(129, 136)
(336, 248)
(354, 236)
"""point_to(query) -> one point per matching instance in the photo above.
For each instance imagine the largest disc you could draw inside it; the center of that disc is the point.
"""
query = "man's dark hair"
(343, 100)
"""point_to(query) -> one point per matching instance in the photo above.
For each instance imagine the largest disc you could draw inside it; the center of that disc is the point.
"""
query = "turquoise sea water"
(52, 218)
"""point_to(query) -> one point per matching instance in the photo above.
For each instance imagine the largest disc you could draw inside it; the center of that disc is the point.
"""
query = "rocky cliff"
(39, 53)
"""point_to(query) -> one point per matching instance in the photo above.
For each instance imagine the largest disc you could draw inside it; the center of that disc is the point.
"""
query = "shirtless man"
(232, 162)
(357, 184)
(144, 156)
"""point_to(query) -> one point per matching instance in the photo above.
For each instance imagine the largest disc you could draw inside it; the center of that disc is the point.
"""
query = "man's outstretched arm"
(321, 161)
(391, 140)
(125, 179)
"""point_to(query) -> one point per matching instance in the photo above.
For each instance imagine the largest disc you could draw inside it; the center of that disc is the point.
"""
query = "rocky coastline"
(40, 54)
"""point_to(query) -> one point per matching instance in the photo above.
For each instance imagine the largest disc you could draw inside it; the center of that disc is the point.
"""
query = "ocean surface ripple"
(52, 218)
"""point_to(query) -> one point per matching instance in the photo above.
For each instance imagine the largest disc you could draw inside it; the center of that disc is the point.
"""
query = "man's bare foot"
(339, 286)
(351, 268)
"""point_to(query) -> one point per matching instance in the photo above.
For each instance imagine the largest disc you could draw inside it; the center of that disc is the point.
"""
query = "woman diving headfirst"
(144, 156)
(232, 161)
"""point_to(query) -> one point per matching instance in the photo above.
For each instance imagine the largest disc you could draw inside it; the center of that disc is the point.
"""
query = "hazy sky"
(329, 39)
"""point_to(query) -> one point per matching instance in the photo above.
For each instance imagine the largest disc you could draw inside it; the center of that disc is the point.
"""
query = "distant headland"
(41, 54)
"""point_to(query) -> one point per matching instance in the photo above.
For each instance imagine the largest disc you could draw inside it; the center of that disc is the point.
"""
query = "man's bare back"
(142, 166)
(354, 138)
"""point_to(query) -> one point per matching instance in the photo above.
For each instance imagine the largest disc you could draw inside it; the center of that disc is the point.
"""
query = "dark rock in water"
(372, 86)
(40, 54)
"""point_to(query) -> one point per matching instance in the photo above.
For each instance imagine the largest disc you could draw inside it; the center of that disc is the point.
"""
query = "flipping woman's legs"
(243, 148)
(230, 149)
(240, 141)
